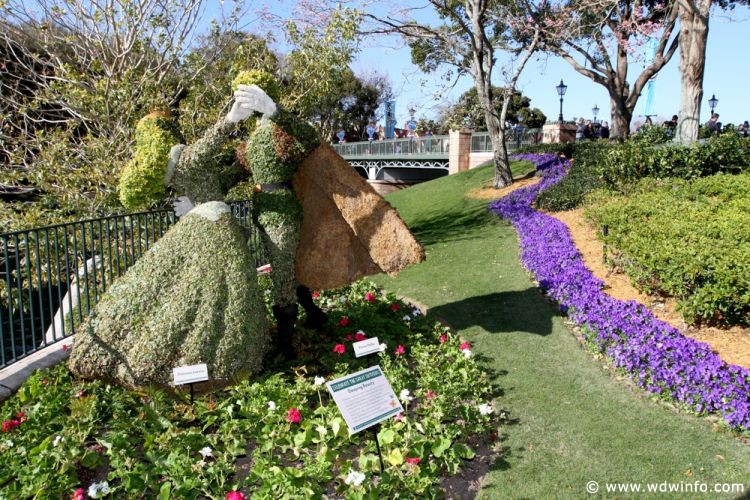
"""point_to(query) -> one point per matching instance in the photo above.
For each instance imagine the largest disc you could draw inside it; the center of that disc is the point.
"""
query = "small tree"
(467, 107)
(466, 41)
(599, 38)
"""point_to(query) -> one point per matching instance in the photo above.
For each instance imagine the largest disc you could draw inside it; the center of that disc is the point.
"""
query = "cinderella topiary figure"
(273, 152)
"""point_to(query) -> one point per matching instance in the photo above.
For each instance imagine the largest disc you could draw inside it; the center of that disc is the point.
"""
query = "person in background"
(742, 130)
(713, 125)
(603, 132)
(580, 130)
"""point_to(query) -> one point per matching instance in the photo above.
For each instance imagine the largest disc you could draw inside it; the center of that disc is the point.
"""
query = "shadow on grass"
(452, 225)
(500, 312)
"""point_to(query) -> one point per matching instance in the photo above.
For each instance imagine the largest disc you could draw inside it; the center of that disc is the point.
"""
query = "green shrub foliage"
(631, 161)
(193, 298)
(262, 79)
(142, 181)
(582, 179)
(686, 239)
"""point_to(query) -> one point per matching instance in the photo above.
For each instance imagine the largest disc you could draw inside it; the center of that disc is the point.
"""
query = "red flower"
(400, 350)
(360, 336)
(443, 338)
(78, 494)
(7, 426)
(344, 321)
(65, 347)
(430, 394)
(21, 416)
(464, 346)
(315, 295)
(235, 495)
(293, 415)
(45, 382)
(370, 297)
(339, 349)
(395, 307)
(413, 460)
(349, 337)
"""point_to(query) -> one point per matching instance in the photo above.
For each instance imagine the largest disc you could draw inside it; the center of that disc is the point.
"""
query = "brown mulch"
(732, 344)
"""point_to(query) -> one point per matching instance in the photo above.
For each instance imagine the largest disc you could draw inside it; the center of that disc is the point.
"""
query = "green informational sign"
(365, 398)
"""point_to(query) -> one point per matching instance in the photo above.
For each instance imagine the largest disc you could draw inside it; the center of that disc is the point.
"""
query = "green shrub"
(582, 178)
(652, 135)
(142, 182)
(262, 79)
(631, 161)
(686, 239)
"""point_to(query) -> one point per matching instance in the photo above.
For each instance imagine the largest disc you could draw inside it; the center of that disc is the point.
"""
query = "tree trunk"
(693, 37)
(621, 117)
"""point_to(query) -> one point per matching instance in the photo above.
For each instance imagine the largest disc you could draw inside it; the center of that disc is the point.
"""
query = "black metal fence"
(51, 277)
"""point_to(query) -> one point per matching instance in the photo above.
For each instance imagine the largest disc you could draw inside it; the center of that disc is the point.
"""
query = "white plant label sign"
(190, 374)
(365, 347)
(365, 398)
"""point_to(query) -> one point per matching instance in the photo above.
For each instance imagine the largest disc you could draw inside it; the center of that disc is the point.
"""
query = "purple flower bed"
(657, 357)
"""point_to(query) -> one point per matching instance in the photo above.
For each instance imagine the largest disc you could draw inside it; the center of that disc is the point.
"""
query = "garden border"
(654, 354)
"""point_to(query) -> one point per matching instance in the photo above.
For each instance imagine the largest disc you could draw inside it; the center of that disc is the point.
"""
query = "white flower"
(206, 452)
(99, 490)
(383, 347)
(271, 406)
(467, 353)
(319, 381)
(416, 312)
(8, 443)
(57, 440)
(407, 318)
(405, 396)
(342, 299)
(354, 478)
(486, 409)
(202, 464)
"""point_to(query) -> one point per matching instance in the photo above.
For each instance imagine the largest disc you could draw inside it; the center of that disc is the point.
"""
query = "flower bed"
(654, 354)
(277, 436)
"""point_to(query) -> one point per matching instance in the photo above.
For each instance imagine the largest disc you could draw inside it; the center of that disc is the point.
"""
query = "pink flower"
(78, 494)
(413, 460)
(395, 307)
(293, 415)
(21, 416)
(430, 394)
(7, 426)
(400, 350)
(443, 338)
(344, 321)
(360, 336)
(399, 417)
(465, 345)
(370, 297)
(315, 295)
(349, 337)
(65, 347)
(235, 495)
(339, 349)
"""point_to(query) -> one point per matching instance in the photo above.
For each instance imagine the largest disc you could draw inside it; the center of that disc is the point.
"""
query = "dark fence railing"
(436, 145)
(514, 139)
(51, 277)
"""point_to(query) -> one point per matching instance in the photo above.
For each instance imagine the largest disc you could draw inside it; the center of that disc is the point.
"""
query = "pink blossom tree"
(601, 39)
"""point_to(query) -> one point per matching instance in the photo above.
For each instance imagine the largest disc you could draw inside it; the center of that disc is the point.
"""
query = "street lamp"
(713, 102)
(561, 92)
(595, 110)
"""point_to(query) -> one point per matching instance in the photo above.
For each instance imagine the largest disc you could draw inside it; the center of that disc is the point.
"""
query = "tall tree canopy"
(467, 107)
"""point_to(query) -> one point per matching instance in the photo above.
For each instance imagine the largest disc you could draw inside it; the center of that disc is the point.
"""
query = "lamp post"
(713, 102)
(595, 111)
(561, 92)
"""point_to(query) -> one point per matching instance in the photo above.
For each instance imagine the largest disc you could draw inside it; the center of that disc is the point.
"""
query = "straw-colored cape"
(348, 230)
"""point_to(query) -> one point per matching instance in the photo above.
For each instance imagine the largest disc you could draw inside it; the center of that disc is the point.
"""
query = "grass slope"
(569, 420)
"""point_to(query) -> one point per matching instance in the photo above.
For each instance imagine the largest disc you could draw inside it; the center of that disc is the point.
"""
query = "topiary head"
(262, 79)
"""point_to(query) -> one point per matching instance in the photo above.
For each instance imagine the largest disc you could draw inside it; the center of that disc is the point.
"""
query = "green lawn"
(569, 420)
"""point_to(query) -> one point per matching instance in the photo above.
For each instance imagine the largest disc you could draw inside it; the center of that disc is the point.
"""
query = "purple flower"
(657, 357)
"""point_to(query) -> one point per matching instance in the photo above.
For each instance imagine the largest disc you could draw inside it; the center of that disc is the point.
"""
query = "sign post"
(190, 375)
(365, 399)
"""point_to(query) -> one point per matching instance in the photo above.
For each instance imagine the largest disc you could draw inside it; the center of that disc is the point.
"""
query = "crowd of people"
(586, 129)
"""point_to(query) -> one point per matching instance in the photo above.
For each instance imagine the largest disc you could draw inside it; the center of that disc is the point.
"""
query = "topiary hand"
(249, 99)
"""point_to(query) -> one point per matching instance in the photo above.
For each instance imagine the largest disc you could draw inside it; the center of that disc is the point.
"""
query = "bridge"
(423, 158)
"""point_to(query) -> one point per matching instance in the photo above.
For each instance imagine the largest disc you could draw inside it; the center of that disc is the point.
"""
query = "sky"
(727, 75)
